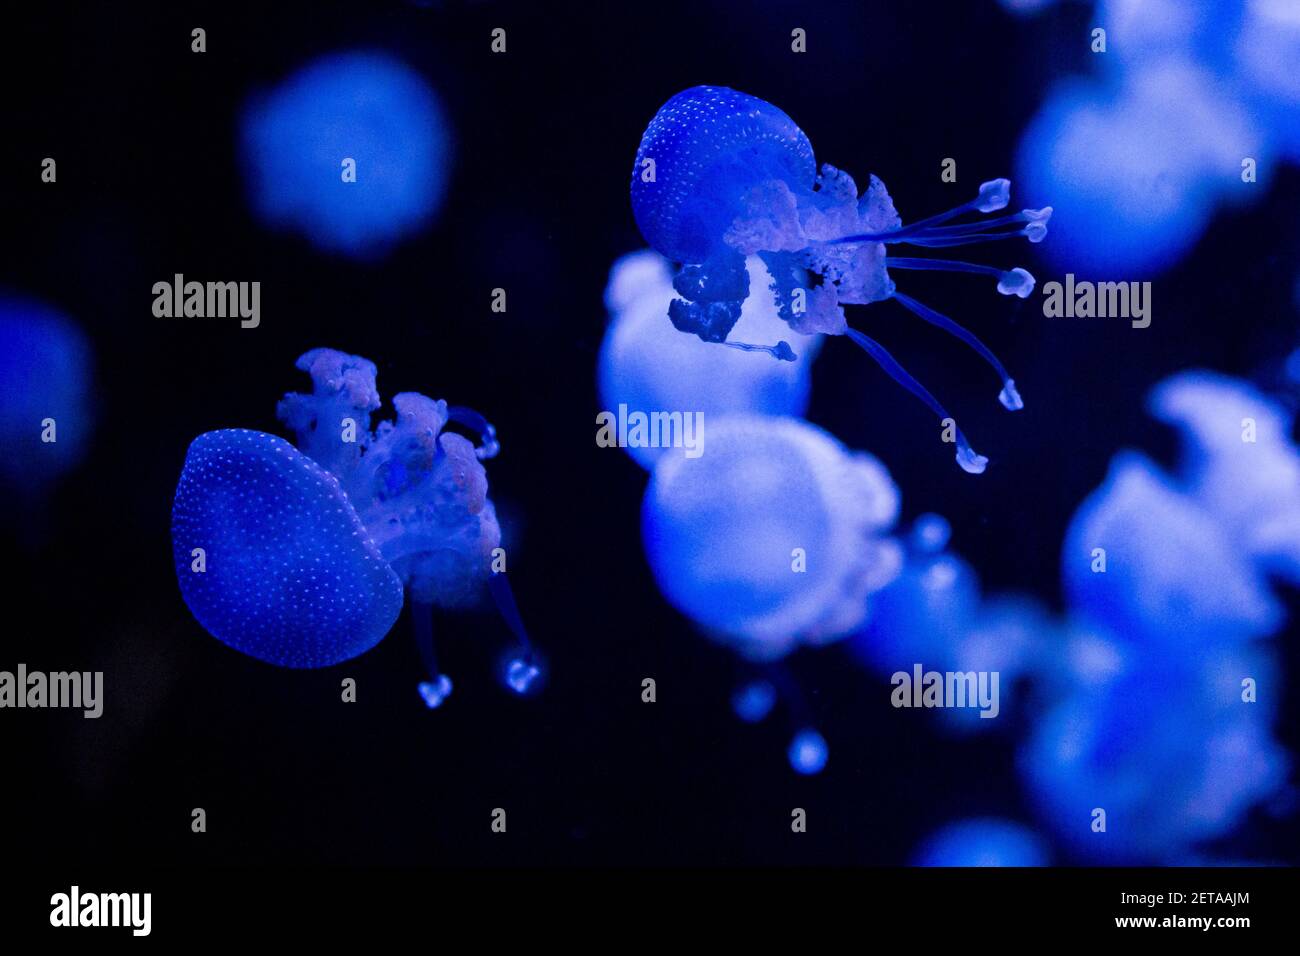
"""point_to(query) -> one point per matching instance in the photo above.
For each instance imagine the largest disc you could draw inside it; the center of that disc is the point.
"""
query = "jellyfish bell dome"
(709, 146)
(774, 536)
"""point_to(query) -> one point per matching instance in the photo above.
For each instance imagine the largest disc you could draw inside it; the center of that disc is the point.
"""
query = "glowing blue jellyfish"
(982, 841)
(352, 151)
(1239, 464)
(1163, 744)
(933, 614)
(1148, 561)
(300, 556)
(648, 367)
(721, 176)
(1136, 173)
(1163, 697)
(774, 537)
(45, 377)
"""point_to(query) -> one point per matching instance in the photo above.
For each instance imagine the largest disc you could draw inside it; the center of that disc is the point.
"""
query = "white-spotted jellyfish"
(775, 537)
(721, 175)
(299, 556)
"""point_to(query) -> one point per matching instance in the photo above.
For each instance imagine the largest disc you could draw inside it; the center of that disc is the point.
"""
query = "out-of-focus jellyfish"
(721, 176)
(1239, 463)
(982, 841)
(774, 537)
(1151, 562)
(1188, 94)
(1157, 738)
(299, 556)
(933, 614)
(47, 412)
(1150, 755)
(648, 367)
(1135, 173)
(352, 151)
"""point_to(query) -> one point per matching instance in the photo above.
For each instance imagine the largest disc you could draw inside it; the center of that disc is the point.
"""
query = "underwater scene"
(464, 433)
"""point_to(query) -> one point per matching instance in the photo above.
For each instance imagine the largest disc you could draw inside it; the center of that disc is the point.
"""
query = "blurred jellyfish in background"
(353, 151)
(982, 841)
(300, 556)
(1158, 712)
(721, 177)
(935, 614)
(48, 409)
(647, 366)
(773, 538)
(1188, 95)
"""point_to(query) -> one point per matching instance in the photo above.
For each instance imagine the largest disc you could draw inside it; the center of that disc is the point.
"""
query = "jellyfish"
(1145, 559)
(1239, 463)
(300, 556)
(1156, 736)
(45, 376)
(935, 614)
(352, 151)
(982, 841)
(721, 176)
(1149, 756)
(774, 538)
(647, 366)
(1137, 171)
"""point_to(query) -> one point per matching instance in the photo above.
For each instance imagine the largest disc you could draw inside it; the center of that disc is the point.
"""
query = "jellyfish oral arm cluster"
(300, 556)
(721, 175)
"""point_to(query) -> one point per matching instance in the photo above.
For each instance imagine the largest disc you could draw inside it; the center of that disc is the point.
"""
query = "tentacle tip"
(754, 701)
(994, 195)
(435, 692)
(783, 352)
(1036, 230)
(1018, 282)
(971, 463)
(1010, 398)
(521, 675)
(808, 752)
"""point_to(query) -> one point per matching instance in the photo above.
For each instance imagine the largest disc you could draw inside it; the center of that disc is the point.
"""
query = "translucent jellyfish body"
(774, 537)
(45, 377)
(1239, 463)
(352, 151)
(646, 366)
(982, 841)
(1135, 172)
(1151, 562)
(299, 556)
(721, 176)
(1151, 755)
(934, 614)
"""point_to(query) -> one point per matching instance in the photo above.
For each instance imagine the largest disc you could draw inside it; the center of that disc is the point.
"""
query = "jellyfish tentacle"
(1009, 397)
(488, 445)
(1016, 281)
(967, 457)
(437, 688)
(781, 351)
(522, 669)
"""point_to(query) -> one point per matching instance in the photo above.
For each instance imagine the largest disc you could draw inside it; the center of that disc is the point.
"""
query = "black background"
(150, 184)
